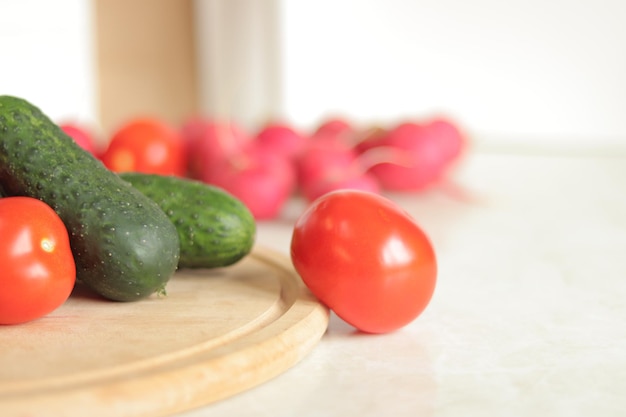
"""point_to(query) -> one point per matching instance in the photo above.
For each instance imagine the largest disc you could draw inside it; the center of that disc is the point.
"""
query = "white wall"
(536, 70)
(46, 56)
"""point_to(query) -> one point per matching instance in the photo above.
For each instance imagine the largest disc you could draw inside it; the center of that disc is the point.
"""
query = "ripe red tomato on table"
(365, 258)
(146, 145)
(38, 270)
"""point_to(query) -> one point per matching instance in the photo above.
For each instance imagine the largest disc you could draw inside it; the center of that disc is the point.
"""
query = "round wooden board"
(216, 333)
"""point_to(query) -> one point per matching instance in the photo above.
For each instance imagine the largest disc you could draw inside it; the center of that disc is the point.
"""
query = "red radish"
(450, 137)
(348, 179)
(369, 138)
(261, 179)
(335, 130)
(209, 141)
(282, 138)
(81, 135)
(322, 156)
(429, 153)
(333, 127)
(328, 165)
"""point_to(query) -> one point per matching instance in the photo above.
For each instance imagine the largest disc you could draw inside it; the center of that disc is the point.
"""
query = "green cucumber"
(215, 229)
(124, 246)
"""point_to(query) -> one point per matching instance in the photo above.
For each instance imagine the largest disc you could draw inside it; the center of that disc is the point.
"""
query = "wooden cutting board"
(216, 333)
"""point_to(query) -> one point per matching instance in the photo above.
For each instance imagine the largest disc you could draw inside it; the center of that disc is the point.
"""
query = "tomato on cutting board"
(365, 258)
(38, 270)
(146, 145)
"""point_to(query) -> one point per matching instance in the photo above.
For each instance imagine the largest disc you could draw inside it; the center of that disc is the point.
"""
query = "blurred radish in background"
(265, 167)
(81, 135)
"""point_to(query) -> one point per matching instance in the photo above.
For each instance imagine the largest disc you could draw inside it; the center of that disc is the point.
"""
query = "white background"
(548, 72)
(533, 69)
(47, 56)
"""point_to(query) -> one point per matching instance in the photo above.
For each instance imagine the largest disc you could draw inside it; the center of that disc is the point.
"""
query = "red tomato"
(38, 269)
(365, 258)
(146, 145)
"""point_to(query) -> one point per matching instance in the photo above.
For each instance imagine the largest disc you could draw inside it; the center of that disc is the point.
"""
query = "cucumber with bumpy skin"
(124, 246)
(215, 229)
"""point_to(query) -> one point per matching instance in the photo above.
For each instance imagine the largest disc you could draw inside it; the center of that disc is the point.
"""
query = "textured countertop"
(528, 317)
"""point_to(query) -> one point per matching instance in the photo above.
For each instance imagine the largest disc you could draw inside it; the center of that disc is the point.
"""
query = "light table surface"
(528, 317)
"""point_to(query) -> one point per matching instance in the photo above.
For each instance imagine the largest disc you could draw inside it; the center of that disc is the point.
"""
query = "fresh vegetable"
(261, 179)
(214, 228)
(321, 158)
(146, 145)
(124, 246)
(251, 169)
(81, 135)
(347, 180)
(38, 270)
(282, 138)
(428, 150)
(209, 142)
(451, 139)
(328, 164)
(334, 127)
(365, 258)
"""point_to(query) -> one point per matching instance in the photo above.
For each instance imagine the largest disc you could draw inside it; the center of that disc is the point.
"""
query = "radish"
(369, 138)
(335, 130)
(210, 141)
(81, 135)
(322, 156)
(451, 138)
(261, 179)
(333, 127)
(428, 151)
(339, 180)
(282, 138)
(329, 164)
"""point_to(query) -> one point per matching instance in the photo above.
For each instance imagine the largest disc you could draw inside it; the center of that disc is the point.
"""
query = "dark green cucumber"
(214, 228)
(124, 246)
